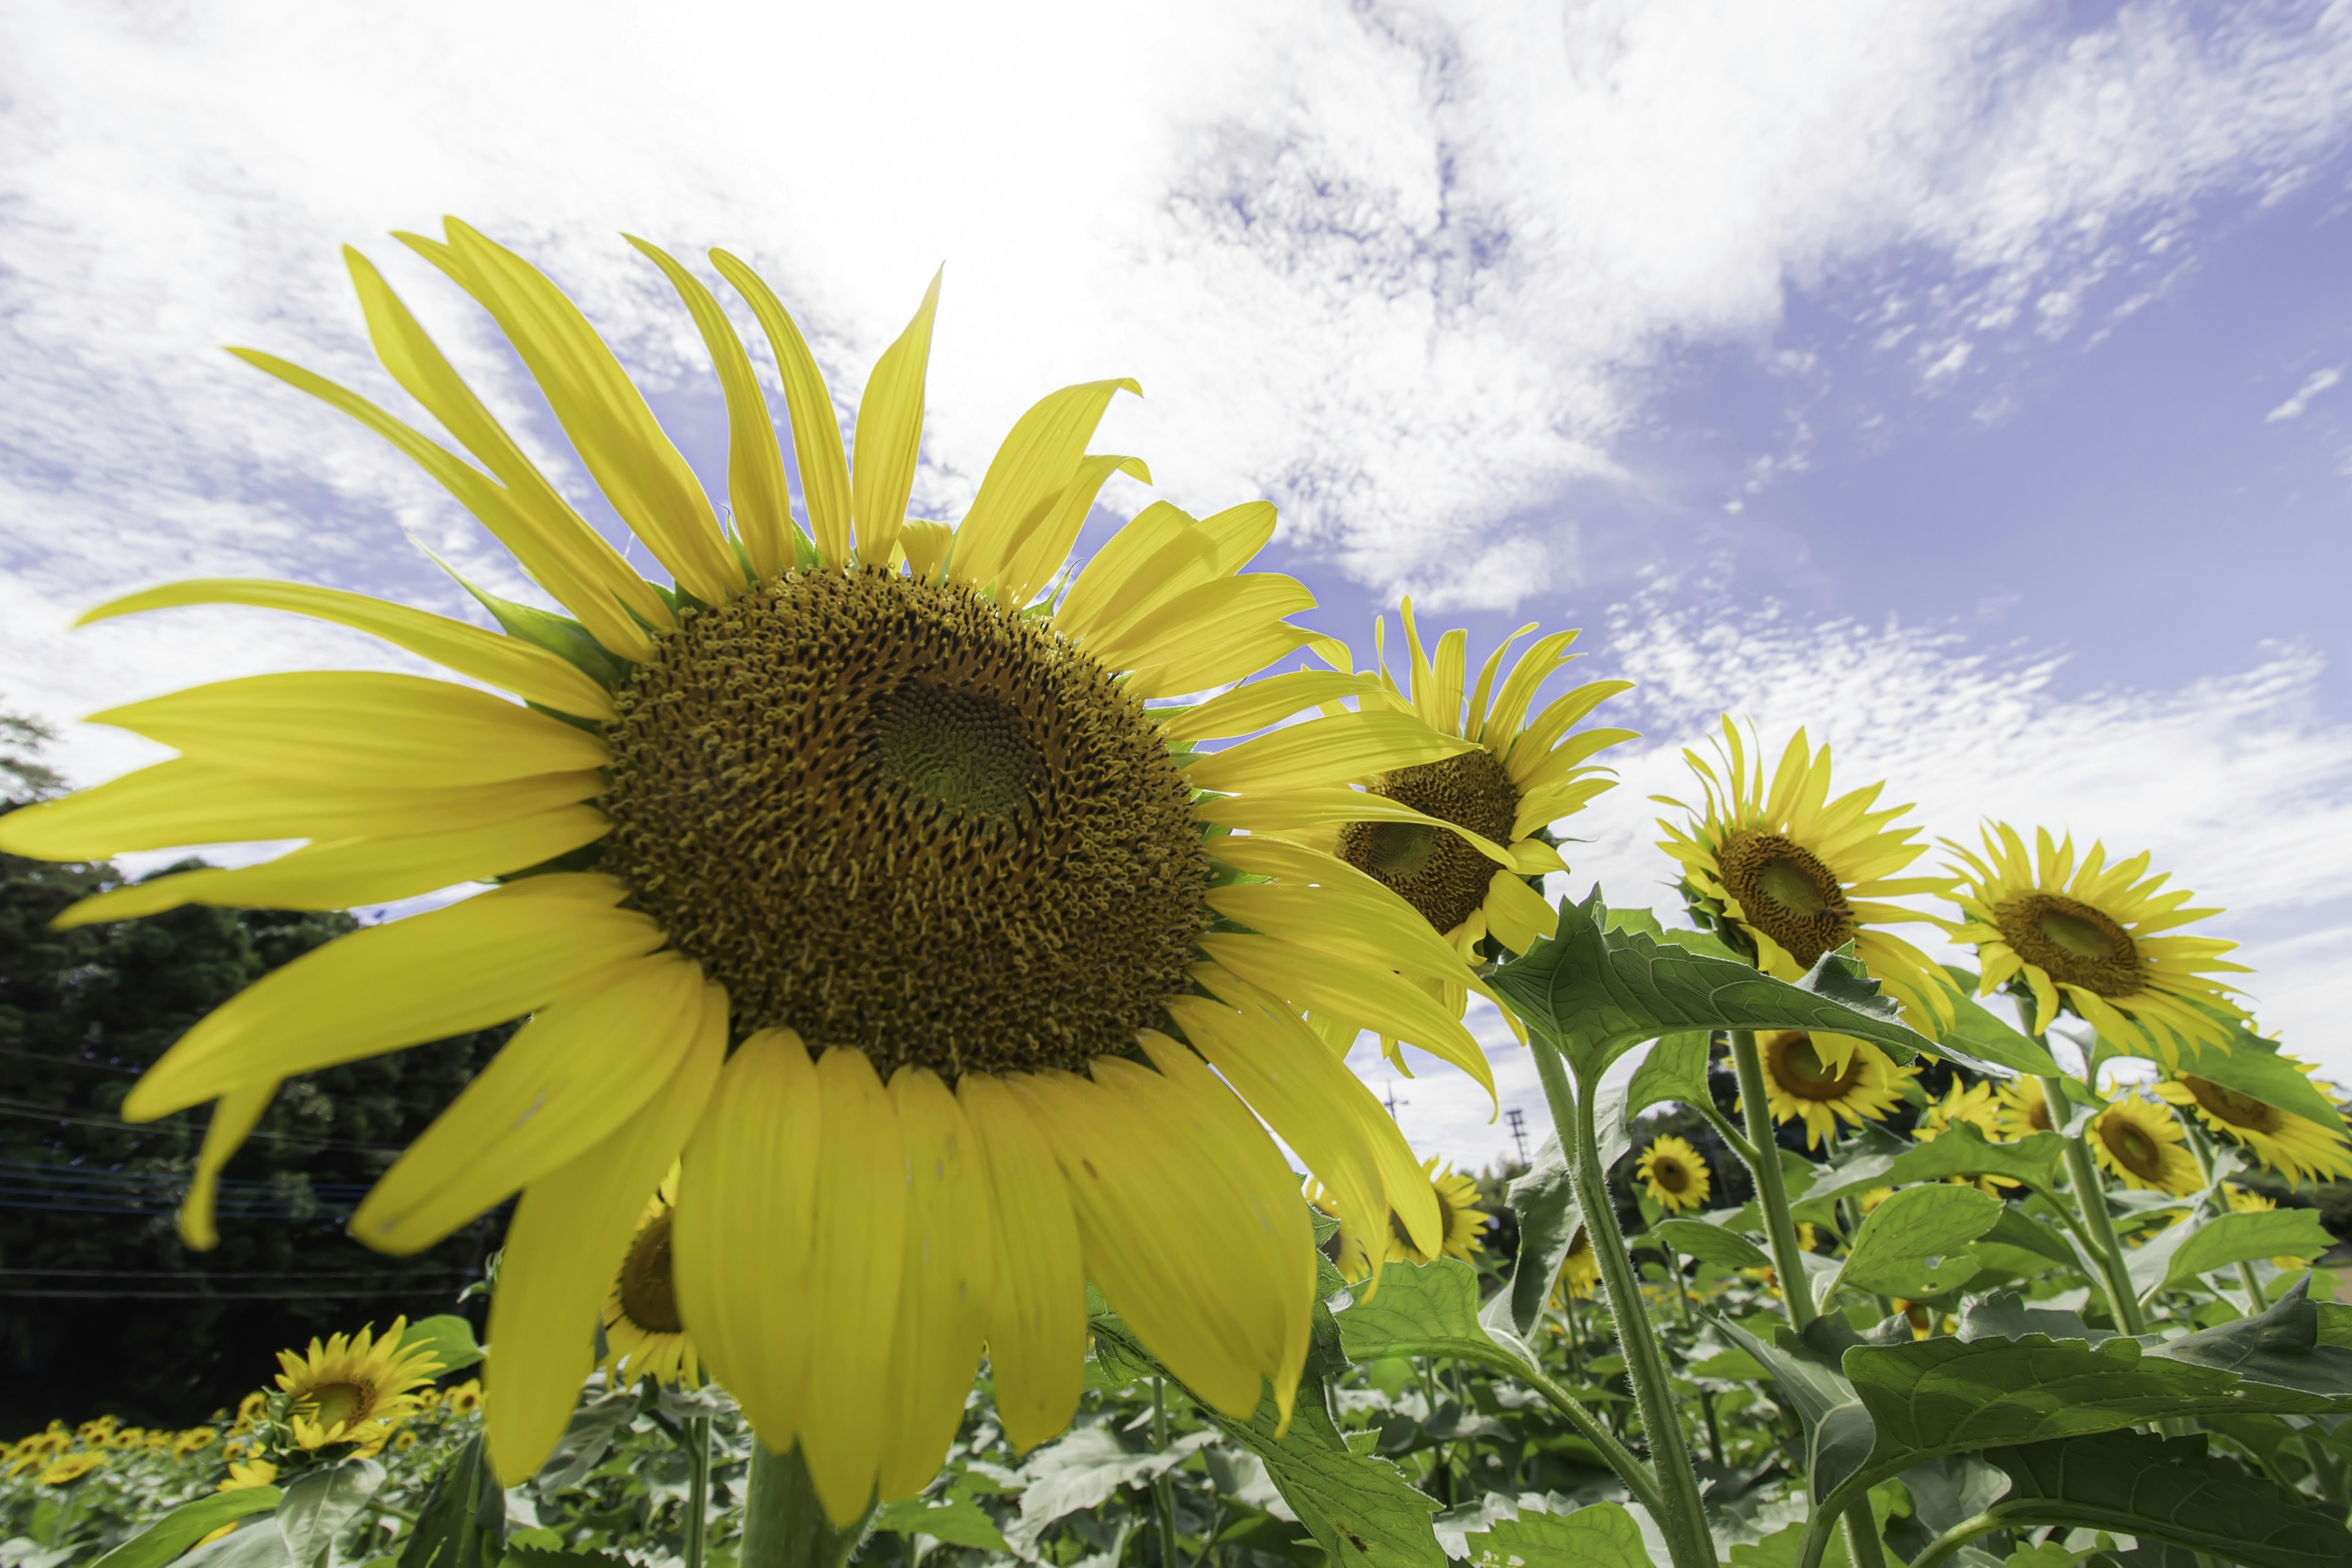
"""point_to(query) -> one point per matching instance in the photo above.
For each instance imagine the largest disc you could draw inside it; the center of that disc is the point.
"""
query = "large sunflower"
(1822, 1080)
(1365, 1249)
(644, 1334)
(2101, 939)
(355, 1388)
(851, 869)
(1460, 839)
(2143, 1145)
(1795, 874)
(2295, 1145)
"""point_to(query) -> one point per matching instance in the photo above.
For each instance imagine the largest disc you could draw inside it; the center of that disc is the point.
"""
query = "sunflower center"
(888, 816)
(1799, 1068)
(2237, 1109)
(2133, 1148)
(334, 1403)
(647, 1297)
(1787, 893)
(1671, 1174)
(2071, 941)
(1434, 870)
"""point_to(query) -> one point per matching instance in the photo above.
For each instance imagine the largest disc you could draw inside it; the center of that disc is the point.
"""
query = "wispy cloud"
(2317, 382)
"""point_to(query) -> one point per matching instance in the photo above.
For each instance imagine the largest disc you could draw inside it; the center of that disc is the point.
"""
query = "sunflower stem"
(1163, 1487)
(1682, 1517)
(697, 1492)
(1763, 1159)
(2090, 1195)
(784, 1522)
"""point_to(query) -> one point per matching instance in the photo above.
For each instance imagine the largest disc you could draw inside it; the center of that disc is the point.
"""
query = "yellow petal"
(234, 1116)
(755, 464)
(1289, 813)
(1160, 553)
(1544, 656)
(1323, 751)
(180, 802)
(1201, 622)
(565, 1243)
(1376, 999)
(1251, 708)
(861, 1241)
(1474, 717)
(945, 1289)
(1028, 476)
(926, 546)
(359, 727)
(745, 1227)
(342, 875)
(1045, 548)
(509, 663)
(1037, 1311)
(816, 428)
(890, 437)
(619, 441)
(1517, 913)
(427, 977)
(568, 1080)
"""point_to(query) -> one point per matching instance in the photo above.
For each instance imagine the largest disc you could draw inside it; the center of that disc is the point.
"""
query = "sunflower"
(355, 1388)
(2103, 941)
(851, 872)
(1579, 1271)
(463, 1398)
(245, 1474)
(643, 1335)
(1979, 1105)
(1460, 1223)
(69, 1469)
(1824, 1079)
(195, 1440)
(1795, 875)
(2144, 1146)
(2295, 1145)
(1465, 840)
(2022, 1111)
(1675, 1175)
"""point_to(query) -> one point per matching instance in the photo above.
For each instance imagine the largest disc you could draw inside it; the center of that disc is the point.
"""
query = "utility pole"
(1393, 1101)
(1518, 1120)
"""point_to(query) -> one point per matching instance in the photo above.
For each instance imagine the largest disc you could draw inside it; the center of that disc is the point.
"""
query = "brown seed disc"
(648, 1298)
(2237, 1109)
(1799, 1069)
(2132, 1149)
(2072, 941)
(1787, 893)
(890, 815)
(1430, 869)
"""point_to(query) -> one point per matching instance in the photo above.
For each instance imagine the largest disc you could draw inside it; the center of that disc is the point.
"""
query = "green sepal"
(559, 635)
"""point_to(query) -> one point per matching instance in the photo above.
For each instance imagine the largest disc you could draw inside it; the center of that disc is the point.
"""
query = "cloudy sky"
(1963, 381)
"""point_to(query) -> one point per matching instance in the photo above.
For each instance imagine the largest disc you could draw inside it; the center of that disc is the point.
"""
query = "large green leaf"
(449, 1337)
(1602, 1534)
(1676, 1069)
(2177, 1255)
(957, 1522)
(181, 1527)
(1359, 1509)
(2170, 1490)
(1596, 993)
(464, 1524)
(2252, 1066)
(1429, 1308)
(1914, 1244)
(1982, 1034)
(1544, 1201)
(1711, 1244)
(315, 1509)
(586, 1439)
(2298, 1343)
(1961, 1149)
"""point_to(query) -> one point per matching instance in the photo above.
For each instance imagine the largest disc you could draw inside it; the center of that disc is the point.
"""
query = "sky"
(1962, 381)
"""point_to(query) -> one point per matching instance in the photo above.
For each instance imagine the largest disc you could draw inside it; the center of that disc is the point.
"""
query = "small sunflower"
(195, 1440)
(1675, 1175)
(355, 1388)
(2295, 1145)
(1825, 1079)
(1465, 840)
(855, 871)
(69, 1469)
(643, 1335)
(244, 1474)
(1978, 1105)
(463, 1399)
(2023, 1111)
(1579, 1271)
(2103, 941)
(2144, 1146)
(1795, 874)
(1461, 1222)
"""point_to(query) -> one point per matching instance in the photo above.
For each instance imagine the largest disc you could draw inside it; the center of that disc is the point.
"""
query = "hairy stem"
(784, 1524)
(2090, 1195)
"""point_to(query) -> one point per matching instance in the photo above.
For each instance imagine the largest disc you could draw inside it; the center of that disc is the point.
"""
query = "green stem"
(1732, 1137)
(1163, 1485)
(2090, 1197)
(784, 1524)
(1772, 1192)
(1959, 1535)
(698, 1491)
(1630, 1469)
(1684, 1516)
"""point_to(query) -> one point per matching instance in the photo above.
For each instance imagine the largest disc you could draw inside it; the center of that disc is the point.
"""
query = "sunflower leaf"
(957, 1522)
(1961, 1149)
(1915, 1243)
(1982, 1032)
(2179, 1254)
(1602, 1534)
(1429, 1308)
(464, 1522)
(1596, 993)
(316, 1507)
(2255, 1067)
(1711, 1244)
(176, 1531)
(2168, 1490)
(1676, 1069)
(449, 1337)
(1546, 1208)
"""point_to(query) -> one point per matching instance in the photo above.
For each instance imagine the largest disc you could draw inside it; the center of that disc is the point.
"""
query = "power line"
(42, 1113)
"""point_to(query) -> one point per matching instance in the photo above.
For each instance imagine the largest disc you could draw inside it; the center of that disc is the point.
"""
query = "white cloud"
(2317, 382)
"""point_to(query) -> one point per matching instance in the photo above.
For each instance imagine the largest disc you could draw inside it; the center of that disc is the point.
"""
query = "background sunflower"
(2143, 1146)
(1675, 1175)
(2293, 1144)
(1823, 1079)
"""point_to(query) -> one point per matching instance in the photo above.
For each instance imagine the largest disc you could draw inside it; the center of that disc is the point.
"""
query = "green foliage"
(1603, 1535)
(1916, 1242)
(181, 1527)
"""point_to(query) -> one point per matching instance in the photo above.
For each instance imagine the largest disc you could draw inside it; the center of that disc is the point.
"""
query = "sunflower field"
(928, 1128)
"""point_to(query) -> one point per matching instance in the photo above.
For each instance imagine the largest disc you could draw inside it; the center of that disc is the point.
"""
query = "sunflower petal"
(860, 1253)
(1322, 752)
(817, 428)
(945, 1289)
(889, 435)
(1028, 476)
(1037, 1312)
(1160, 553)
(1313, 981)
(234, 1116)
(566, 1241)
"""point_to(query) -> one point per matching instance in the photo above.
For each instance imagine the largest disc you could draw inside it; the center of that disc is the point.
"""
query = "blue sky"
(1959, 380)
